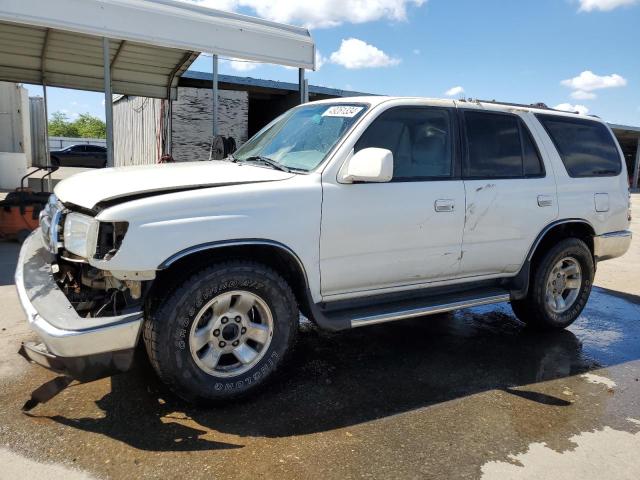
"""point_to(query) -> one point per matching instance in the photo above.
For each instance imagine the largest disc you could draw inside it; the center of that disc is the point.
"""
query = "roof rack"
(538, 105)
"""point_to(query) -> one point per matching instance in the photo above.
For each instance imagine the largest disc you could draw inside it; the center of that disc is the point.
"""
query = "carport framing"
(172, 29)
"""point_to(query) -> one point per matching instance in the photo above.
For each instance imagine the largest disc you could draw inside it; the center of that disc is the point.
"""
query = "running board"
(428, 310)
(373, 314)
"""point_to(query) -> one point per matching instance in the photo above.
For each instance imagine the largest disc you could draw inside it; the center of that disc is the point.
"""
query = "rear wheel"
(560, 286)
(224, 332)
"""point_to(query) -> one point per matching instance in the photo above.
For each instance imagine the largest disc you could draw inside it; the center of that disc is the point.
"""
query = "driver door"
(377, 236)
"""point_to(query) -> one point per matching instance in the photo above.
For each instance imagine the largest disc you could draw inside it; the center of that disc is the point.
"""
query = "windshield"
(301, 138)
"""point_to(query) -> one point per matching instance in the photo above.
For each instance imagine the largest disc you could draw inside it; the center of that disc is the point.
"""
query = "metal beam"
(118, 52)
(301, 86)
(43, 75)
(108, 101)
(636, 167)
(214, 90)
(47, 156)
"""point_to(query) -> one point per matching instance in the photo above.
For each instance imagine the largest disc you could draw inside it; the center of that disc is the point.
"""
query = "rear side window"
(499, 146)
(587, 148)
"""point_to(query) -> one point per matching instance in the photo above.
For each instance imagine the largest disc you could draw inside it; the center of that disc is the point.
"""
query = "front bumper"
(83, 348)
(611, 245)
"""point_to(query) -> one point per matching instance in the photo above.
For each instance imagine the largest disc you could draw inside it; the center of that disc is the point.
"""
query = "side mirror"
(370, 165)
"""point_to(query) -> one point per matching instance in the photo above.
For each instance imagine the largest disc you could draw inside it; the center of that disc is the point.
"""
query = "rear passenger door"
(510, 192)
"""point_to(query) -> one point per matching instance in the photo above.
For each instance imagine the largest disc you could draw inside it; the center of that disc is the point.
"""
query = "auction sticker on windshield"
(342, 111)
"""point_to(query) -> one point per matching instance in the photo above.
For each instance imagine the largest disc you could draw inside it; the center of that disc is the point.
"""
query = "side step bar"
(428, 310)
(335, 317)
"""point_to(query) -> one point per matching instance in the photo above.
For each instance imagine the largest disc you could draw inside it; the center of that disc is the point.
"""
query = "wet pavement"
(465, 395)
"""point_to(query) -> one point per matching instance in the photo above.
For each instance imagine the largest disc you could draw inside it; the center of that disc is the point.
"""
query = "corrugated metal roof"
(151, 42)
(244, 82)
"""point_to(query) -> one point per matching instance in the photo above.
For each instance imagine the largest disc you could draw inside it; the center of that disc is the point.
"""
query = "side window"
(493, 144)
(500, 146)
(586, 147)
(77, 149)
(420, 139)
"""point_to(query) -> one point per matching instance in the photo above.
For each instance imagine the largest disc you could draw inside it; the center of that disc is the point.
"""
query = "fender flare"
(519, 285)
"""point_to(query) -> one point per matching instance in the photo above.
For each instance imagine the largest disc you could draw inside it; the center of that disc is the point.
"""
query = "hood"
(108, 184)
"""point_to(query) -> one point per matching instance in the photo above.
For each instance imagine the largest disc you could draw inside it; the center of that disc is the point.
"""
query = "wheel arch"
(271, 253)
(551, 234)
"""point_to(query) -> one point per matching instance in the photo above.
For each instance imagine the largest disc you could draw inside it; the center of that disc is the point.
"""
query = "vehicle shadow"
(337, 380)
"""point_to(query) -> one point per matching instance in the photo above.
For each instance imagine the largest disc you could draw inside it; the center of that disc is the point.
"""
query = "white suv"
(354, 212)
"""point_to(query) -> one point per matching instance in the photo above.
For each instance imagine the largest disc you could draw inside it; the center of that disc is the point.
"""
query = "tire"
(55, 161)
(173, 333)
(541, 308)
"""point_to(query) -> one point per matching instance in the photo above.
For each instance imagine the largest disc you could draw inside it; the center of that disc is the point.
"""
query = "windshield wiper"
(268, 161)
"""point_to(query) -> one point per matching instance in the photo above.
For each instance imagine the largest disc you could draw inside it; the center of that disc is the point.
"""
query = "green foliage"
(85, 126)
(60, 126)
(90, 127)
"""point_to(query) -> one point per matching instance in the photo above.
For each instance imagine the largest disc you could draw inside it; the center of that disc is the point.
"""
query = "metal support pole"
(108, 102)
(636, 167)
(214, 90)
(169, 140)
(47, 156)
(301, 86)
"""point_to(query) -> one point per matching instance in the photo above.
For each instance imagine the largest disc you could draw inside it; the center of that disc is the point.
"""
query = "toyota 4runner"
(352, 212)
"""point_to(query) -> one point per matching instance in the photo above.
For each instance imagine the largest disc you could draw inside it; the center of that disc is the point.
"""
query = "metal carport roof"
(59, 43)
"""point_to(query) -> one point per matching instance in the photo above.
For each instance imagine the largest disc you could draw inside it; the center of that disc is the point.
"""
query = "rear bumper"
(611, 245)
(85, 348)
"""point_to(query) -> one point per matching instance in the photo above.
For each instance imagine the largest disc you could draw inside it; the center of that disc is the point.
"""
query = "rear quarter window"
(586, 147)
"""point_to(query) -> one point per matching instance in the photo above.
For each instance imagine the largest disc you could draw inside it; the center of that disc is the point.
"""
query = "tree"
(85, 126)
(60, 126)
(90, 127)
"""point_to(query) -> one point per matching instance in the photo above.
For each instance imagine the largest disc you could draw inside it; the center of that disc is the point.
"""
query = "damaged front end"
(87, 319)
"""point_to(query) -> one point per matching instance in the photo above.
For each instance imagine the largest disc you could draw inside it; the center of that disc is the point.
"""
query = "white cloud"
(319, 13)
(70, 115)
(454, 91)
(588, 81)
(567, 107)
(320, 60)
(604, 5)
(241, 65)
(354, 53)
(582, 95)
(416, 51)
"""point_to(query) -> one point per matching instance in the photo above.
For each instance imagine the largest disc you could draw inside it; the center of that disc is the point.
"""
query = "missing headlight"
(110, 236)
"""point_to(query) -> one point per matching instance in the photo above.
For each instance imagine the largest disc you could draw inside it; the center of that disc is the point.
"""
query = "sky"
(578, 55)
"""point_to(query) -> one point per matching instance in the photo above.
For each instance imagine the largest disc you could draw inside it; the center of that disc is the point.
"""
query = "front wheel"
(560, 286)
(223, 332)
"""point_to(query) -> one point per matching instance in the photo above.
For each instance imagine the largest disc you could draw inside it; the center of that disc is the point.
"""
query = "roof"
(229, 82)
(152, 42)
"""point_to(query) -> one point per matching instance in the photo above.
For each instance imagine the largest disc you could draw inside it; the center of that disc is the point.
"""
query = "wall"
(15, 136)
(37, 130)
(192, 122)
(137, 130)
(11, 139)
(139, 125)
(58, 143)
(13, 166)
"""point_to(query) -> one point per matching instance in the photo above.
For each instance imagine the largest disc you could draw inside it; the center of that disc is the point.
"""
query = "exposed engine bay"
(93, 292)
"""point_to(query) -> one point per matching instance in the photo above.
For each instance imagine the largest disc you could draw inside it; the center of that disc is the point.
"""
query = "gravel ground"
(466, 395)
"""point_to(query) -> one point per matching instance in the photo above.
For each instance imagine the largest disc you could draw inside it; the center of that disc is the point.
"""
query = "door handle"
(444, 205)
(545, 200)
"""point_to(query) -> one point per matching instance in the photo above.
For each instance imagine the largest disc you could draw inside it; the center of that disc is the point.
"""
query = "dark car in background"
(87, 156)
